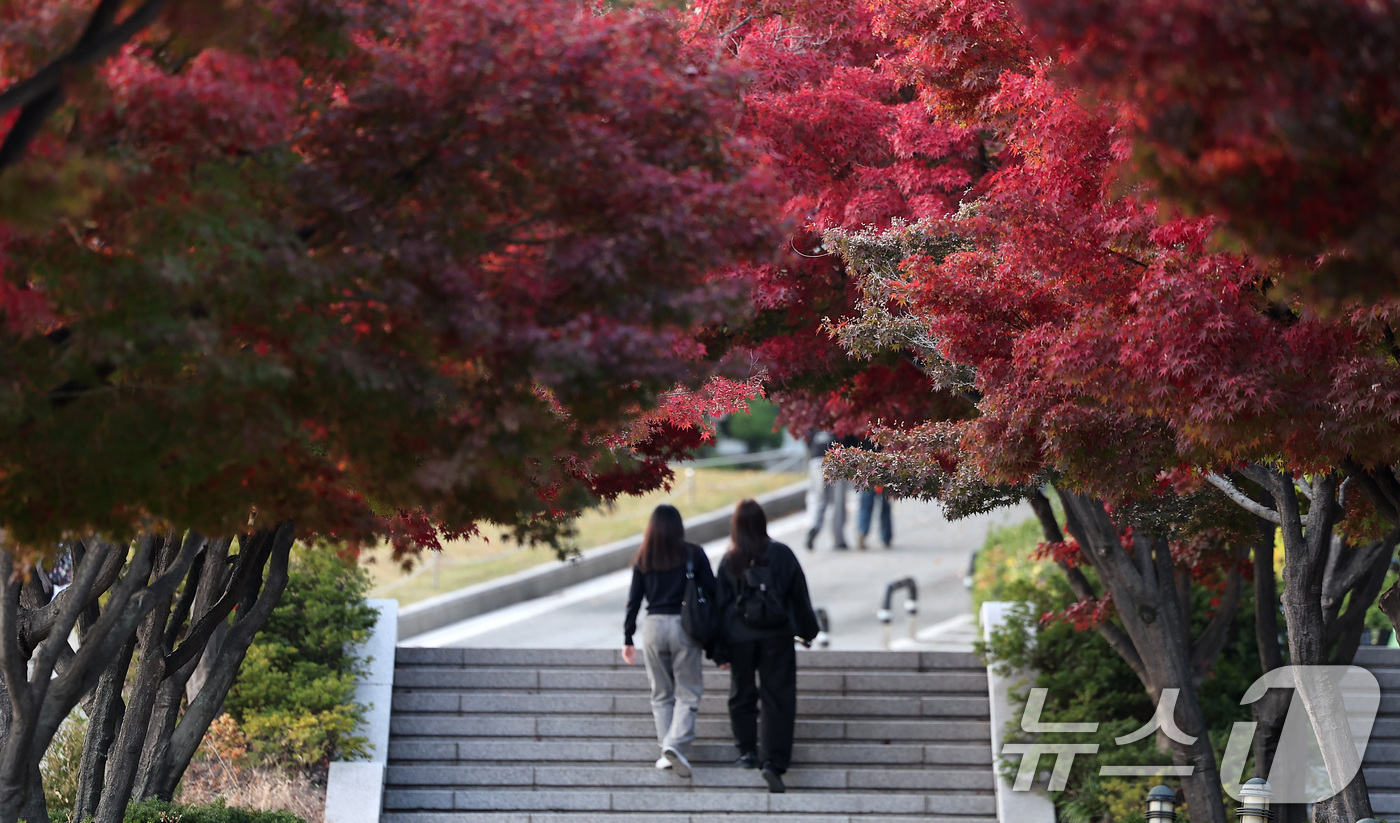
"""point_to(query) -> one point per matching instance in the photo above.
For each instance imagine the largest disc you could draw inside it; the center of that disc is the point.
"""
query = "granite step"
(528, 735)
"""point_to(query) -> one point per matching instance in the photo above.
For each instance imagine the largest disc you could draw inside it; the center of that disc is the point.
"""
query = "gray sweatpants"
(673, 666)
(819, 496)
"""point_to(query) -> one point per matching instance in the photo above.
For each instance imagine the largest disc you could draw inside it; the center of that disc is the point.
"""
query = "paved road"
(848, 584)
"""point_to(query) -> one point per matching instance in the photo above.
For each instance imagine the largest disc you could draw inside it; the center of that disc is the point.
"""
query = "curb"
(463, 604)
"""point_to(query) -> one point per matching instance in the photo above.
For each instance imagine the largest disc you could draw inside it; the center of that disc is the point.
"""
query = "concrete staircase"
(533, 735)
(1382, 762)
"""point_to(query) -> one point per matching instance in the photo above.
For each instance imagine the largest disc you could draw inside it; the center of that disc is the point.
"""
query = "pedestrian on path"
(869, 496)
(822, 494)
(764, 602)
(673, 658)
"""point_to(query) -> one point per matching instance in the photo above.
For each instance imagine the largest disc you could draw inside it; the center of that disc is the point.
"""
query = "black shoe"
(841, 547)
(747, 760)
(812, 539)
(773, 779)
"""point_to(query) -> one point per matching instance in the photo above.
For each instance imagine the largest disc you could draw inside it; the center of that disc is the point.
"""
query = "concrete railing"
(1012, 806)
(355, 789)
(463, 604)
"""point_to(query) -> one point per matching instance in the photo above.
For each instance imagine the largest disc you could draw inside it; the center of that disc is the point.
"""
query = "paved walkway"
(848, 584)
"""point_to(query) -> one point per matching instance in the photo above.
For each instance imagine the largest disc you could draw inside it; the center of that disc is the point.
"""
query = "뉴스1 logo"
(1305, 769)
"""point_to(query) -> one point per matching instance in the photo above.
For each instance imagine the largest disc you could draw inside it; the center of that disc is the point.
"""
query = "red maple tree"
(1108, 343)
(853, 148)
(372, 270)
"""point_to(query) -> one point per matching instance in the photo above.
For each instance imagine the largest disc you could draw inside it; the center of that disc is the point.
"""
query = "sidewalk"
(847, 584)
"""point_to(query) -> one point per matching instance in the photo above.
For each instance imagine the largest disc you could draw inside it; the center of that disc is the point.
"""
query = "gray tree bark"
(1271, 710)
(256, 597)
(1308, 549)
(1148, 595)
(125, 752)
(43, 677)
(105, 710)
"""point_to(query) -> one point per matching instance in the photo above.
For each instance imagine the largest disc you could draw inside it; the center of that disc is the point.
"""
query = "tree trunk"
(258, 599)
(124, 754)
(105, 709)
(208, 584)
(1271, 710)
(1148, 600)
(43, 699)
(1307, 542)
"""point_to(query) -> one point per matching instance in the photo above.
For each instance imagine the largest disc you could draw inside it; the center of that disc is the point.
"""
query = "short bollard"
(1255, 797)
(1161, 804)
(823, 629)
(911, 606)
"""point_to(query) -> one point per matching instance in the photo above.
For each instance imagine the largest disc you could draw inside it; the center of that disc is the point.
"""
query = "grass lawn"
(467, 562)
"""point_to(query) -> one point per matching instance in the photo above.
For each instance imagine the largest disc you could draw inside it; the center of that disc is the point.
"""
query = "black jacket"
(665, 590)
(792, 585)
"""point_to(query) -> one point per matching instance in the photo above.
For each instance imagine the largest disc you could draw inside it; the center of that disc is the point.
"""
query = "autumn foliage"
(432, 259)
(377, 271)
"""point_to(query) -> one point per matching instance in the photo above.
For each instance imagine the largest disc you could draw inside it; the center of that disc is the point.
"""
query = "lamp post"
(1255, 796)
(1161, 804)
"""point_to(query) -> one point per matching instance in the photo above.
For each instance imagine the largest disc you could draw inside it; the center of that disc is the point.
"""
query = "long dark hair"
(663, 545)
(748, 537)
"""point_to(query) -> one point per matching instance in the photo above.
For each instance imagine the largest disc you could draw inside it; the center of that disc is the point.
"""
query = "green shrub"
(1088, 682)
(158, 811)
(755, 428)
(294, 697)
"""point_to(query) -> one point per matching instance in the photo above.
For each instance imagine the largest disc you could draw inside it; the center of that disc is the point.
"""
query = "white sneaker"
(678, 762)
(663, 763)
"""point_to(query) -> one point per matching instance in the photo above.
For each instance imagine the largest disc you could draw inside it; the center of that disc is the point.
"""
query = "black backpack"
(760, 604)
(699, 618)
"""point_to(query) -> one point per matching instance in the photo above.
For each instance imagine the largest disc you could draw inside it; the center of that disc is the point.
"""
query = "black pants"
(774, 698)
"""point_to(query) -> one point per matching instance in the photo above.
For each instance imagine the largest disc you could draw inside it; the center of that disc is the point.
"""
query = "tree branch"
(1381, 489)
(252, 554)
(1241, 499)
(1266, 599)
(41, 93)
(202, 709)
(36, 624)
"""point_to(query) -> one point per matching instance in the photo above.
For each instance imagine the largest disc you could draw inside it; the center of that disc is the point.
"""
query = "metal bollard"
(1161, 804)
(824, 633)
(911, 606)
(1255, 797)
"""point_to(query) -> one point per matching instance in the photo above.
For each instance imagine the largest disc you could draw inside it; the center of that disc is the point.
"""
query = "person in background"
(820, 493)
(868, 498)
(760, 577)
(673, 658)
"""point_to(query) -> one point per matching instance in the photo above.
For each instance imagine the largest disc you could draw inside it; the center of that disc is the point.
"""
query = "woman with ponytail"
(673, 658)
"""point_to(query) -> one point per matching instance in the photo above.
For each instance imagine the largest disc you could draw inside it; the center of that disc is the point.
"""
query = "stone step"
(652, 817)
(687, 800)
(564, 726)
(601, 703)
(1385, 805)
(635, 679)
(1381, 751)
(1386, 730)
(644, 752)
(968, 779)
(555, 735)
(1386, 776)
(807, 660)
